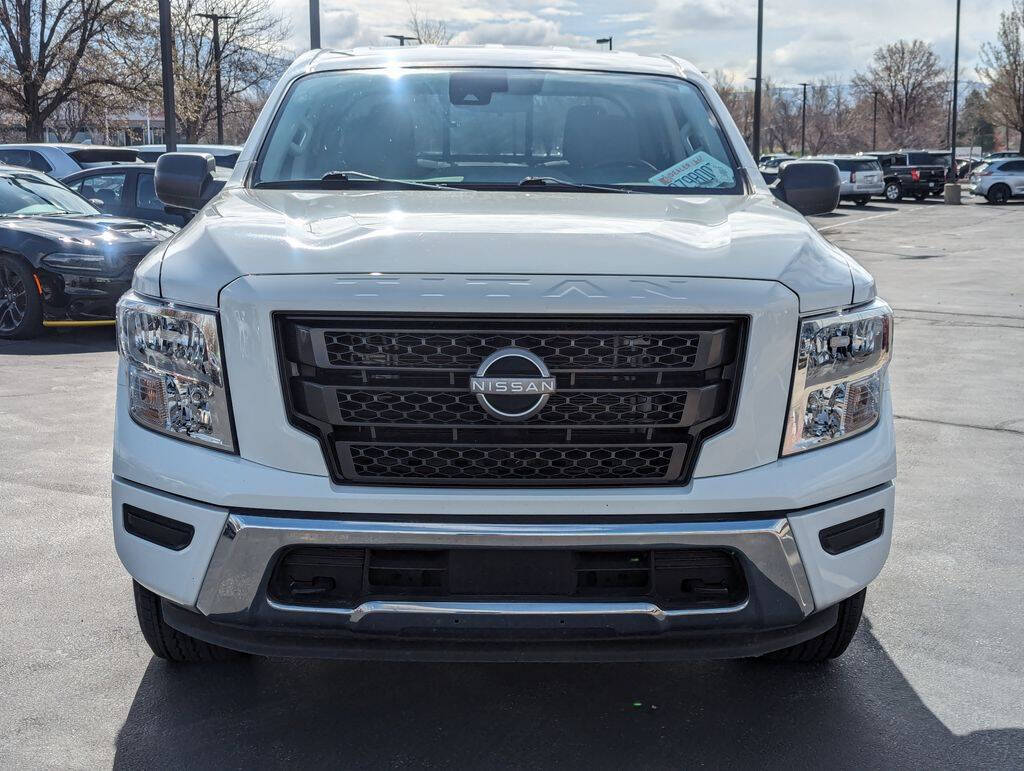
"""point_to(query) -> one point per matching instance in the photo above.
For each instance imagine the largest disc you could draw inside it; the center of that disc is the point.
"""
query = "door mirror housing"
(184, 180)
(810, 187)
(97, 202)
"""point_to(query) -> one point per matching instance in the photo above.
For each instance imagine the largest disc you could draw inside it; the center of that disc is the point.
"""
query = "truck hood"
(248, 232)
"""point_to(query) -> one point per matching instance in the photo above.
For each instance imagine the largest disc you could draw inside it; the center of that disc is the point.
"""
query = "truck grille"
(390, 398)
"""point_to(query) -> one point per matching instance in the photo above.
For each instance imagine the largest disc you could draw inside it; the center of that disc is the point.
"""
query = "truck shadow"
(54, 342)
(859, 712)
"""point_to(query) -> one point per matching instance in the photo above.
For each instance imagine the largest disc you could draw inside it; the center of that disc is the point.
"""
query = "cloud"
(703, 15)
(536, 32)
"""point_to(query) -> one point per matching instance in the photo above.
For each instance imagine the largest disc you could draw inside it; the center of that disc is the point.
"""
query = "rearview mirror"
(810, 187)
(184, 180)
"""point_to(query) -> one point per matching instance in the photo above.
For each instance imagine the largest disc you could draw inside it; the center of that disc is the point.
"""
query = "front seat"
(382, 143)
(593, 138)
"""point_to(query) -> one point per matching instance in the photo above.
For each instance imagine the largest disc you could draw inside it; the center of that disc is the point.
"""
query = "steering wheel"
(644, 165)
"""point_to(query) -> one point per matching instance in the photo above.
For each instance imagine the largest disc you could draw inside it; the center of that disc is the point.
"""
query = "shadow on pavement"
(858, 712)
(55, 342)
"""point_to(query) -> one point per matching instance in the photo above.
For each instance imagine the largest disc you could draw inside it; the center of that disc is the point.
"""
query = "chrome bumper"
(233, 588)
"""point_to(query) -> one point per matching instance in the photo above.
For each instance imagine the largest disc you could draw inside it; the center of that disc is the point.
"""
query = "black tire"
(893, 191)
(21, 308)
(830, 645)
(167, 642)
(998, 194)
(862, 201)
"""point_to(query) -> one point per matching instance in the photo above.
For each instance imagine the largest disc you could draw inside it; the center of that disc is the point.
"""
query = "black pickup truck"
(917, 173)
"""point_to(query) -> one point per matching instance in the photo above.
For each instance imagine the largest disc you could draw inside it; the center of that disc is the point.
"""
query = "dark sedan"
(62, 262)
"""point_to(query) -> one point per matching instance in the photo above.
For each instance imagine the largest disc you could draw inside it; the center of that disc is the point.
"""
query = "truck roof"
(491, 55)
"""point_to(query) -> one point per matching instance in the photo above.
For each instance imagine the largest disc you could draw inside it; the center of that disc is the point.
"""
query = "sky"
(803, 39)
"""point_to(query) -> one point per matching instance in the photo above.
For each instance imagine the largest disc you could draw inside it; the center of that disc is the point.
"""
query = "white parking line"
(860, 219)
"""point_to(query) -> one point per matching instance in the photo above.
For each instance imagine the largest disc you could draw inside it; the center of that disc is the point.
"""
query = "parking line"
(861, 219)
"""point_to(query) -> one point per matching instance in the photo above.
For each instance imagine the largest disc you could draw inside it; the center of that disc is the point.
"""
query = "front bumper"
(76, 297)
(216, 588)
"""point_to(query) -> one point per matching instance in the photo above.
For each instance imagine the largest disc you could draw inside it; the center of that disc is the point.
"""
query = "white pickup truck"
(501, 354)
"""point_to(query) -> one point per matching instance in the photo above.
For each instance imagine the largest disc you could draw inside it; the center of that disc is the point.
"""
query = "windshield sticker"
(699, 170)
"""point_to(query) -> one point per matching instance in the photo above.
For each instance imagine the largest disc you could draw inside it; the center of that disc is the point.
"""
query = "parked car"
(60, 159)
(225, 155)
(861, 176)
(128, 191)
(998, 180)
(769, 165)
(915, 173)
(419, 386)
(61, 261)
(1002, 154)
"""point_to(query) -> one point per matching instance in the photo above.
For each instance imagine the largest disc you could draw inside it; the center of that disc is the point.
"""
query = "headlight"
(92, 263)
(175, 371)
(837, 381)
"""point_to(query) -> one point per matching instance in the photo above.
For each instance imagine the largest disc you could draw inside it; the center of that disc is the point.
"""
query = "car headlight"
(92, 263)
(838, 376)
(176, 377)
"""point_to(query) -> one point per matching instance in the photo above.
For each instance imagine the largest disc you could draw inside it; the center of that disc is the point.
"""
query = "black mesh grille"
(454, 408)
(512, 463)
(563, 350)
(390, 397)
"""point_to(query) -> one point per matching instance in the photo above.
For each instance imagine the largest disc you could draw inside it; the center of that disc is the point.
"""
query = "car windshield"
(856, 165)
(496, 129)
(24, 194)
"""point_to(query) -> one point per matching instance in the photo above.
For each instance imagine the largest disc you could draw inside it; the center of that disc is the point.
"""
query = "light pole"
(216, 17)
(952, 114)
(874, 123)
(402, 38)
(757, 83)
(167, 71)
(603, 40)
(803, 120)
(314, 23)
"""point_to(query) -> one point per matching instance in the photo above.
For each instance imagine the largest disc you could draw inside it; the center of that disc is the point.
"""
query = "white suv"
(501, 353)
(998, 180)
(861, 176)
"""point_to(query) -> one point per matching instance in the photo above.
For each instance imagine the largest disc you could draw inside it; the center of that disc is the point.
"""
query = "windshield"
(850, 165)
(26, 194)
(493, 128)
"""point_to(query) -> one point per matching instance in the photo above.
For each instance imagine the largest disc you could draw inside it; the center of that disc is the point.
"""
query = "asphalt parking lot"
(935, 677)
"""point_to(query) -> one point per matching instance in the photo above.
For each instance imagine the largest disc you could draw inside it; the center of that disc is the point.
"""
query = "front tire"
(831, 644)
(998, 194)
(21, 308)
(167, 642)
(893, 191)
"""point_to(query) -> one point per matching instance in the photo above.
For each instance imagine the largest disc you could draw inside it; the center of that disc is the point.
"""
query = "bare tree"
(911, 83)
(428, 31)
(1003, 70)
(52, 53)
(251, 36)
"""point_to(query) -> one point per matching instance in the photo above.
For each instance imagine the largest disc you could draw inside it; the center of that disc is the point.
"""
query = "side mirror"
(97, 202)
(183, 180)
(810, 187)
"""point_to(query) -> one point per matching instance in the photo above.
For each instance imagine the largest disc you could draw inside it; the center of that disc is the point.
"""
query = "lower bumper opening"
(336, 576)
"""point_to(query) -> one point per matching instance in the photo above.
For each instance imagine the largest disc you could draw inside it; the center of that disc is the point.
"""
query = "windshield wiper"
(555, 182)
(343, 179)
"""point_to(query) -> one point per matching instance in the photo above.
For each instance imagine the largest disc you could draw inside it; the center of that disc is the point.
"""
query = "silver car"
(998, 180)
(58, 159)
(860, 176)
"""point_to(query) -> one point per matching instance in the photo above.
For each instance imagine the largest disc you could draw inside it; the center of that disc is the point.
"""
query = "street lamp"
(956, 78)
(603, 40)
(216, 17)
(402, 38)
(757, 83)
(314, 24)
(803, 120)
(167, 71)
